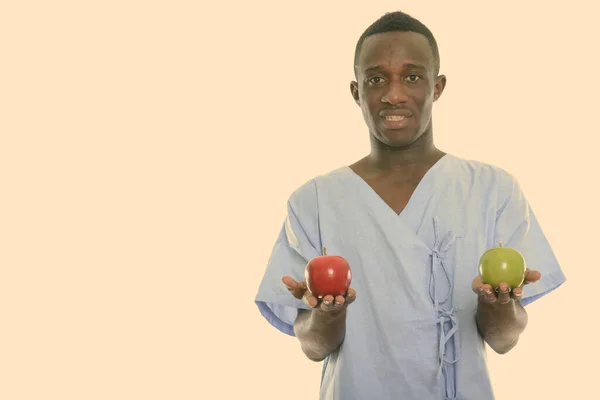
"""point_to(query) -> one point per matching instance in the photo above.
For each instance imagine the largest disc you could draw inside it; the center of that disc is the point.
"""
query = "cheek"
(374, 102)
(369, 104)
(424, 102)
(364, 106)
(426, 111)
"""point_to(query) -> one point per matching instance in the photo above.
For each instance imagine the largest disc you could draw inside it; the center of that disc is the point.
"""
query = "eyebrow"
(407, 65)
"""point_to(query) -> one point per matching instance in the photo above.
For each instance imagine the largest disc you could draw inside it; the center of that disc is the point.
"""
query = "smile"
(394, 122)
(395, 117)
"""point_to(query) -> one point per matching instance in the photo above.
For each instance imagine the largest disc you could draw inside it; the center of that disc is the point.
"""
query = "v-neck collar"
(419, 194)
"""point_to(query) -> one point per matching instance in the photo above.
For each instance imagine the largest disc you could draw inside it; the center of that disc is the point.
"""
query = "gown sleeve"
(518, 227)
(297, 242)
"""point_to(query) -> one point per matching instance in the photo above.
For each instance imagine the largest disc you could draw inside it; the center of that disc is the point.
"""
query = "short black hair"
(398, 21)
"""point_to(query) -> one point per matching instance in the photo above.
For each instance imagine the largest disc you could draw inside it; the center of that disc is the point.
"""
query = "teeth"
(395, 117)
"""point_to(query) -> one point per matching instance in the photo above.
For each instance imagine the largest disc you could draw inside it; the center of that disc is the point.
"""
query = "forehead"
(394, 49)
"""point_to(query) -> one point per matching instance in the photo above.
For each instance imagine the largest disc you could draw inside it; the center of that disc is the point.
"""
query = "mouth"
(395, 121)
(395, 117)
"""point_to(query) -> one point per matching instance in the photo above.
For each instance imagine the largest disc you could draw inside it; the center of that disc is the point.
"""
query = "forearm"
(500, 325)
(320, 333)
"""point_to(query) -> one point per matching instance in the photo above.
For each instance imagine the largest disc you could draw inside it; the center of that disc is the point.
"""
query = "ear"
(440, 85)
(354, 91)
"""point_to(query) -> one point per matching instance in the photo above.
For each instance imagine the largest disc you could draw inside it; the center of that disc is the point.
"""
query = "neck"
(420, 153)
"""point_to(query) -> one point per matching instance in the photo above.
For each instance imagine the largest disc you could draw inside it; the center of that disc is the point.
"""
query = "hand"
(505, 294)
(327, 303)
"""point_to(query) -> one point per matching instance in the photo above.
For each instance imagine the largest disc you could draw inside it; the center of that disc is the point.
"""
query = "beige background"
(148, 149)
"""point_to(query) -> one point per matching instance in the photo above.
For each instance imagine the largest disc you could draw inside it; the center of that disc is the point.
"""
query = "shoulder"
(486, 175)
(495, 185)
(482, 170)
(306, 195)
(303, 211)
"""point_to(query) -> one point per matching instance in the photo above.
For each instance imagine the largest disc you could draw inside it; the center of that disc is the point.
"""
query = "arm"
(320, 333)
(322, 328)
(500, 325)
(501, 317)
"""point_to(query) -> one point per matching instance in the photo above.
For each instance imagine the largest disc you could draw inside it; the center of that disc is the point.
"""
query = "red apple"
(328, 275)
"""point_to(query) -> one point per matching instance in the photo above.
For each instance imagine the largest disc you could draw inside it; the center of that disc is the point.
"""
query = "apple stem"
(324, 250)
(499, 244)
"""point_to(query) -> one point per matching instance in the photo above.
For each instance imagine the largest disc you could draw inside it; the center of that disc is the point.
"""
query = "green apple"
(502, 264)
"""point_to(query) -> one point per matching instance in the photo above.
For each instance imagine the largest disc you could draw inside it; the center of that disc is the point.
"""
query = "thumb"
(297, 289)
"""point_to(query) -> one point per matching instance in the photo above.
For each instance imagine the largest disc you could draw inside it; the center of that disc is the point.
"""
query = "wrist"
(329, 317)
(501, 317)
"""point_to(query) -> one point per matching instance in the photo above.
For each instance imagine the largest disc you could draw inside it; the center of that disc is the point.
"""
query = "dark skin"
(501, 318)
(396, 74)
(322, 329)
(396, 86)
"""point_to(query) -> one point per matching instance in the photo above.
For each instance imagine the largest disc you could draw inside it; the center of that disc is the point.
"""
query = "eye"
(376, 80)
(413, 78)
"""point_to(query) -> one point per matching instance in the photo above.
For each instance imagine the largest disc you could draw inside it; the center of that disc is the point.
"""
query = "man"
(413, 222)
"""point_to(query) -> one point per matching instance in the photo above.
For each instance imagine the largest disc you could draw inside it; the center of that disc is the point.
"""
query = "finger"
(503, 293)
(339, 301)
(297, 289)
(350, 296)
(531, 276)
(289, 282)
(476, 285)
(488, 294)
(517, 293)
(333, 304)
(310, 300)
(328, 303)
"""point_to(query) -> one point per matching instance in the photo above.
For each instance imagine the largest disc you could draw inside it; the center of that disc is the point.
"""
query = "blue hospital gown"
(411, 332)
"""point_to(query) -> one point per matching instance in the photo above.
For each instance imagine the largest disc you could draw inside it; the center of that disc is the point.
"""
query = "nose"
(395, 94)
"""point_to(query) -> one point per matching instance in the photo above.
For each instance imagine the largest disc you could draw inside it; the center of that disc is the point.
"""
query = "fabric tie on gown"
(444, 314)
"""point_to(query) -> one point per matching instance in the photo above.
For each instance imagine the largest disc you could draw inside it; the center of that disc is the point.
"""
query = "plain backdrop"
(148, 148)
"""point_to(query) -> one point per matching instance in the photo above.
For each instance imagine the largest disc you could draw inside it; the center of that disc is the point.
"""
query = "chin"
(398, 138)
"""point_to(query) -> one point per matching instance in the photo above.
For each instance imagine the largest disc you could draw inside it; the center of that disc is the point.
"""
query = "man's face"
(396, 86)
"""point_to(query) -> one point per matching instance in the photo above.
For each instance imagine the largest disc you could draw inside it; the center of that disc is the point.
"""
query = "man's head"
(397, 79)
